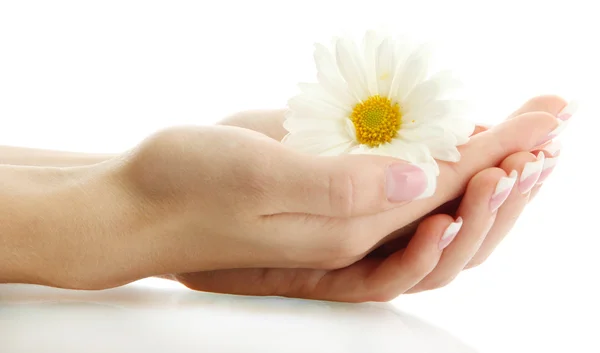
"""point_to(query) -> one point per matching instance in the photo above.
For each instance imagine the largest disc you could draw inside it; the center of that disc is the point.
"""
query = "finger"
(345, 186)
(552, 153)
(485, 192)
(545, 103)
(489, 148)
(351, 185)
(530, 169)
(365, 280)
(405, 268)
(383, 280)
(484, 151)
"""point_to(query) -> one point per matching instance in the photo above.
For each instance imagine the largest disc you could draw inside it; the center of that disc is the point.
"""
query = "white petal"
(316, 91)
(414, 71)
(315, 142)
(306, 106)
(462, 130)
(386, 63)
(293, 124)
(410, 151)
(352, 68)
(420, 134)
(329, 76)
(372, 41)
(350, 129)
(435, 111)
(445, 153)
(437, 87)
(337, 150)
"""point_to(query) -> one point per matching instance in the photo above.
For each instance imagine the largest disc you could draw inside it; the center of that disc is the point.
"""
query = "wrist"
(67, 227)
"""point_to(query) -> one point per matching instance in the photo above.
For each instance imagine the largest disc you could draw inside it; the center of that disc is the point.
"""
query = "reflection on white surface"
(144, 317)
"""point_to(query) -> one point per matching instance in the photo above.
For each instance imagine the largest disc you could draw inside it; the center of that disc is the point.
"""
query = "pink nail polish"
(549, 164)
(553, 148)
(554, 133)
(563, 116)
(405, 182)
(568, 111)
(531, 173)
(502, 191)
(450, 233)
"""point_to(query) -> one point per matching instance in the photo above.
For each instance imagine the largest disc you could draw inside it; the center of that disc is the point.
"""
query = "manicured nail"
(553, 148)
(568, 111)
(503, 189)
(450, 233)
(405, 182)
(560, 128)
(563, 116)
(531, 173)
(562, 125)
(549, 164)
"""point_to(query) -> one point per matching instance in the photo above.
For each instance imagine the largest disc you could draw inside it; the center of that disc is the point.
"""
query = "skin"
(200, 204)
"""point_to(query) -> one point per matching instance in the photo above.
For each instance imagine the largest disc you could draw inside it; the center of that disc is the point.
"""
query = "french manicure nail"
(405, 182)
(562, 125)
(503, 189)
(549, 164)
(531, 173)
(553, 148)
(450, 233)
(568, 111)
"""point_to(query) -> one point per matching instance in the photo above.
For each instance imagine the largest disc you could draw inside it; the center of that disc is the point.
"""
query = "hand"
(369, 279)
(474, 245)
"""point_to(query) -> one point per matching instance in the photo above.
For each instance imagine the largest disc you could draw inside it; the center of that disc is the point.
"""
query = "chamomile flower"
(378, 97)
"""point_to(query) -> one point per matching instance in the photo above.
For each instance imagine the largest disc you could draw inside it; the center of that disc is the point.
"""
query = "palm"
(409, 259)
(357, 282)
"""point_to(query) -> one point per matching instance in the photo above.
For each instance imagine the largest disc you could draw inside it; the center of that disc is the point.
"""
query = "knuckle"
(342, 194)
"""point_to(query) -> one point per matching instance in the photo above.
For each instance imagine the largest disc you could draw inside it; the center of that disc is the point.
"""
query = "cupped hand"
(424, 263)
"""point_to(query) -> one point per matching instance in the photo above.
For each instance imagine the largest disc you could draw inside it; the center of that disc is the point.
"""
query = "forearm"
(47, 158)
(58, 226)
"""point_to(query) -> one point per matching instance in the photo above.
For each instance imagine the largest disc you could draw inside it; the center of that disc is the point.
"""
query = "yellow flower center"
(376, 120)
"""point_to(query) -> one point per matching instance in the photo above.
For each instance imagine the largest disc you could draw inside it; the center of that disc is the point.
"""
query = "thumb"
(351, 185)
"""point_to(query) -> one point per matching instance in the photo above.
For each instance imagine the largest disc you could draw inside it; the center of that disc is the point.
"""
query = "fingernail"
(562, 125)
(549, 164)
(405, 182)
(568, 111)
(531, 174)
(553, 148)
(450, 233)
(503, 189)
(563, 116)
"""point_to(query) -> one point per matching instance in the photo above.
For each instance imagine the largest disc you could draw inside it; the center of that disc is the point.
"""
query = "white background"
(98, 76)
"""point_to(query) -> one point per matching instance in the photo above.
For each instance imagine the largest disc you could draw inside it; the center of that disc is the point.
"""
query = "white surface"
(136, 318)
(100, 76)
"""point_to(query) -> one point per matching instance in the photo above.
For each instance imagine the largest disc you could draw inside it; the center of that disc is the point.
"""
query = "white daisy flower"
(378, 98)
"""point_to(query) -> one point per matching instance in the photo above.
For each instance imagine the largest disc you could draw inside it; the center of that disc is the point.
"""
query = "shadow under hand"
(157, 316)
